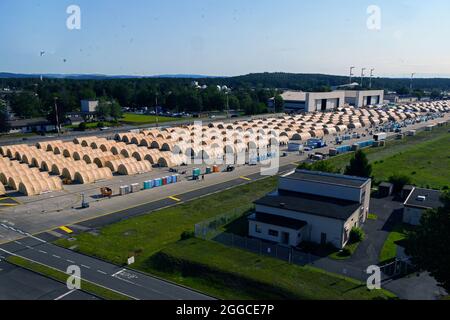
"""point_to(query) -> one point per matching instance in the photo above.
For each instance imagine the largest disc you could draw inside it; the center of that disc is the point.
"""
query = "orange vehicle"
(106, 192)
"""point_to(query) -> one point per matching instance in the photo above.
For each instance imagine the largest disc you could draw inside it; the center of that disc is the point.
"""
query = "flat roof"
(432, 199)
(328, 178)
(284, 222)
(311, 204)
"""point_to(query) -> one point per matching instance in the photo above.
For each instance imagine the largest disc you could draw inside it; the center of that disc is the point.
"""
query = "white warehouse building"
(312, 206)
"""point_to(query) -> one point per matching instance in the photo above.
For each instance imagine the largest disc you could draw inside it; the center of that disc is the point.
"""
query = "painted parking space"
(8, 202)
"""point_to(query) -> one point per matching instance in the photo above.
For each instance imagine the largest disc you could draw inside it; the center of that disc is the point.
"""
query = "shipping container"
(135, 187)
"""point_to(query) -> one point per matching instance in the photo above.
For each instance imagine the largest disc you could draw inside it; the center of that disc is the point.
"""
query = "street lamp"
(351, 74)
(411, 84)
(56, 115)
(371, 76)
(362, 76)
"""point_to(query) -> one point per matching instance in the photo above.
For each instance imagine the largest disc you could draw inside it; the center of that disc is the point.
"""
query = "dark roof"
(311, 204)
(278, 220)
(386, 185)
(29, 122)
(328, 178)
(431, 201)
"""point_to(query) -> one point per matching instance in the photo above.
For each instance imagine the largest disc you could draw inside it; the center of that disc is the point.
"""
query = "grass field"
(425, 158)
(230, 273)
(389, 250)
(145, 235)
(131, 118)
(220, 271)
(62, 277)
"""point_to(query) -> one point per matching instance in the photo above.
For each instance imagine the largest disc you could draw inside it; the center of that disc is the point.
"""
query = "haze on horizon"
(233, 37)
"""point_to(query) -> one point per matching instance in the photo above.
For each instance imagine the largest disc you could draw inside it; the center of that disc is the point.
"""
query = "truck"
(380, 136)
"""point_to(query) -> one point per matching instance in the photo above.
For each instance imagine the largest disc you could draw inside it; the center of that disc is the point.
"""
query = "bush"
(399, 181)
(82, 126)
(356, 235)
(187, 235)
(100, 124)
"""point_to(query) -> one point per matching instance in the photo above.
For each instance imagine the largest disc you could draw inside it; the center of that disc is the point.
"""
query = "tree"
(429, 243)
(4, 125)
(279, 103)
(399, 181)
(359, 166)
(103, 109)
(26, 104)
(115, 110)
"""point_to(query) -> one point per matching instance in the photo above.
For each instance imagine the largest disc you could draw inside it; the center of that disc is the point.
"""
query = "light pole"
(56, 115)
(371, 76)
(362, 76)
(351, 74)
(411, 84)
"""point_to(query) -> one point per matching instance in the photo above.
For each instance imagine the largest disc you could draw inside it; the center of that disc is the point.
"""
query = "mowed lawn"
(223, 272)
(143, 236)
(425, 158)
(230, 273)
(131, 118)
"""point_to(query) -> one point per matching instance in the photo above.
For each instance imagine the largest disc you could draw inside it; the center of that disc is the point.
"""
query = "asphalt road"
(131, 283)
(20, 284)
(135, 285)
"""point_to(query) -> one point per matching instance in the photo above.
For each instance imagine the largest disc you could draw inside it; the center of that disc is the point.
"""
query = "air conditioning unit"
(421, 198)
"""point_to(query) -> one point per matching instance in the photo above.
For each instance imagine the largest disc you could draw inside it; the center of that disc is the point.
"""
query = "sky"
(225, 37)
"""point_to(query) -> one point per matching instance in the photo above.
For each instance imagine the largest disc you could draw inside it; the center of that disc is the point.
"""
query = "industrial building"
(299, 101)
(89, 106)
(419, 201)
(313, 207)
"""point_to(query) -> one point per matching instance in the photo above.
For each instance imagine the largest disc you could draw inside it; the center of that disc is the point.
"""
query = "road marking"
(18, 242)
(245, 178)
(84, 266)
(102, 272)
(42, 251)
(55, 256)
(174, 198)
(66, 229)
(118, 272)
(70, 261)
(65, 294)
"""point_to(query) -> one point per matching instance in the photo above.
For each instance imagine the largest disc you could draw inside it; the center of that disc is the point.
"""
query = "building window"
(273, 233)
(258, 228)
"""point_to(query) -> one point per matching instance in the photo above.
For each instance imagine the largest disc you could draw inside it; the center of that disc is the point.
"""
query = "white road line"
(42, 251)
(30, 248)
(102, 272)
(118, 272)
(70, 261)
(55, 256)
(65, 294)
(84, 266)
(18, 242)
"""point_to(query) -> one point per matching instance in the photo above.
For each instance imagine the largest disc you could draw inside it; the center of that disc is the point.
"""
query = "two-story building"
(312, 206)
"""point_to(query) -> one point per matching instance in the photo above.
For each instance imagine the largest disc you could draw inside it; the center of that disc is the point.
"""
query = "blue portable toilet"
(169, 179)
(175, 178)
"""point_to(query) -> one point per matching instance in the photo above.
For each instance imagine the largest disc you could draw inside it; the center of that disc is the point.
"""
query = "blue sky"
(226, 37)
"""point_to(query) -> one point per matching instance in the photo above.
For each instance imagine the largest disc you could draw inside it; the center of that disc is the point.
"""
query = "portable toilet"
(169, 179)
(135, 187)
(175, 178)
(208, 170)
(146, 185)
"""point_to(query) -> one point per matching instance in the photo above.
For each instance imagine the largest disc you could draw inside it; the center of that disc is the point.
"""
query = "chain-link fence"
(210, 228)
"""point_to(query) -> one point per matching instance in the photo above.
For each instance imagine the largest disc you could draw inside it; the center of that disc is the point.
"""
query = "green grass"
(143, 236)
(389, 250)
(60, 276)
(131, 118)
(424, 157)
(345, 254)
(92, 125)
(230, 273)
(372, 216)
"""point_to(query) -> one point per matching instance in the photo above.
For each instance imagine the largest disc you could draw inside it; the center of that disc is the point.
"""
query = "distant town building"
(31, 125)
(396, 98)
(312, 206)
(364, 98)
(89, 106)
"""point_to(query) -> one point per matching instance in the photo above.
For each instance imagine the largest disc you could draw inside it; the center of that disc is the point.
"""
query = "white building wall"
(294, 237)
(316, 225)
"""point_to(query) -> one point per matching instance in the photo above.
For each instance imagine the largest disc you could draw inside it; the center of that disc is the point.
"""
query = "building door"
(285, 238)
(324, 105)
(323, 238)
(369, 101)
